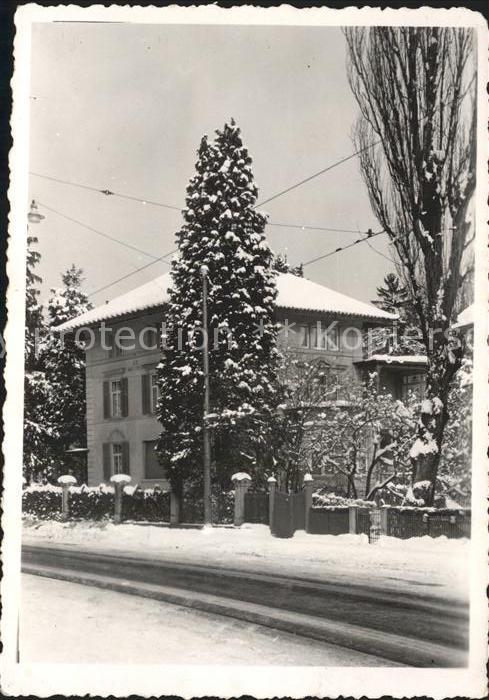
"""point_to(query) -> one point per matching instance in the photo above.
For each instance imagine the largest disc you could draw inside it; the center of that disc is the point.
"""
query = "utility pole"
(205, 428)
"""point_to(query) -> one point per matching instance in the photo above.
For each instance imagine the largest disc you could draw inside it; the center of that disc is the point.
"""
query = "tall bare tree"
(415, 87)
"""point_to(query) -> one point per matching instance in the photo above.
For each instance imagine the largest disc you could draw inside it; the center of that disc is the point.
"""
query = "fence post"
(352, 520)
(65, 481)
(308, 486)
(375, 526)
(384, 521)
(174, 508)
(272, 490)
(119, 481)
(241, 481)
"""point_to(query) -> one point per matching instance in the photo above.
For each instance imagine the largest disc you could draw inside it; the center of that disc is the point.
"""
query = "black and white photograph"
(246, 413)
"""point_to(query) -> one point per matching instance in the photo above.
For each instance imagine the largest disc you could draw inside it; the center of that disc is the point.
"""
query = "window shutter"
(145, 388)
(125, 458)
(107, 459)
(106, 400)
(124, 397)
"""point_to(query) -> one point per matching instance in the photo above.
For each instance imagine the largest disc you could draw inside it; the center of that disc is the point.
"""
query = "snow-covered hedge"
(331, 500)
(43, 502)
(96, 503)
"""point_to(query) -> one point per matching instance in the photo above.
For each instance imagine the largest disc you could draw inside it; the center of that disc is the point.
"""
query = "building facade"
(123, 352)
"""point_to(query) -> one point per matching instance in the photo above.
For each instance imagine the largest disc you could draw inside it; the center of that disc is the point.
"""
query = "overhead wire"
(320, 172)
(108, 192)
(368, 236)
(129, 274)
(304, 227)
(100, 233)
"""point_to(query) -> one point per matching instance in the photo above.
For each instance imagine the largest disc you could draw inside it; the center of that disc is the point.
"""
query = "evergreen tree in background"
(64, 362)
(393, 296)
(37, 431)
(404, 337)
(281, 264)
(224, 233)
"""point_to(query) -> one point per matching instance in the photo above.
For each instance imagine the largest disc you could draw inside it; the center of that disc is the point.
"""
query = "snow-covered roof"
(302, 294)
(295, 293)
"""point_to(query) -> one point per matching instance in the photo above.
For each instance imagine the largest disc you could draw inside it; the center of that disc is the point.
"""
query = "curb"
(403, 650)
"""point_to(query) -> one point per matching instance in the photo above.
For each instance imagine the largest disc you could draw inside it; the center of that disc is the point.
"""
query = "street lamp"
(34, 217)
(205, 428)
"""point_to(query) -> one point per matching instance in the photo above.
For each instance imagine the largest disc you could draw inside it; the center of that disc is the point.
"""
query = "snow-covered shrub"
(321, 500)
(95, 503)
(151, 505)
(43, 502)
(91, 504)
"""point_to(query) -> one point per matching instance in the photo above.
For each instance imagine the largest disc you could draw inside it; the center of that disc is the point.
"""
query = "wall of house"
(345, 337)
(138, 427)
(135, 428)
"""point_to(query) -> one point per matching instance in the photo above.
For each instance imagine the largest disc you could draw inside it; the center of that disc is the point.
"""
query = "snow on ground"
(435, 566)
(63, 622)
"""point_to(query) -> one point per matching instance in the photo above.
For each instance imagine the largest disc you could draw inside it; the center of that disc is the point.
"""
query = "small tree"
(223, 233)
(415, 87)
(334, 424)
(281, 264)
(365, 438)
(403, 337)
(64, 362)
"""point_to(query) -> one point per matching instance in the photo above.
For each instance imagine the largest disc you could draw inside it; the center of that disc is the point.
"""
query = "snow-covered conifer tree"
(36, 429)
(281, 265)
(64, 362)
(223, 233)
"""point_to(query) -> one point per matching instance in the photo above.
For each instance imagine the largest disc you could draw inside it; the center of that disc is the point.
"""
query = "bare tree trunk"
(416, 143)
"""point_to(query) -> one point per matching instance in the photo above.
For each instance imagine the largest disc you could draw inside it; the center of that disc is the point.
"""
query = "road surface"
(404, 627)
(64, 622)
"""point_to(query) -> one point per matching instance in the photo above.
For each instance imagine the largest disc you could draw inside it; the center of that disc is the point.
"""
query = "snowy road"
(65, 622)
(410, 627)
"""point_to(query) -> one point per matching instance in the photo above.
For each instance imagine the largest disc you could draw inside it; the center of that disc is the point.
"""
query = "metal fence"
(405, 523)
(395, 522)
(331, 521)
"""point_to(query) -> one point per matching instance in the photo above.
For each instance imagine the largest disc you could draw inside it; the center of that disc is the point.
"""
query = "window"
(152, 466)
(116, 398)
(412, 383)
(117, 459)
(329, 338)
(303, 336)
(318, 337)
(155, 391)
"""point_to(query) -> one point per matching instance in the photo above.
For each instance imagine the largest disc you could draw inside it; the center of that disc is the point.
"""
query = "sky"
(123, 107)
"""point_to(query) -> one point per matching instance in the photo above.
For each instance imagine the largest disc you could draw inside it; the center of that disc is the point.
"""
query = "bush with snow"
(96, 503)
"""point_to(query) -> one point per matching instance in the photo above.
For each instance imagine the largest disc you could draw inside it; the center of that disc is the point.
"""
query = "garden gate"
(256, 507)
(289, 513)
